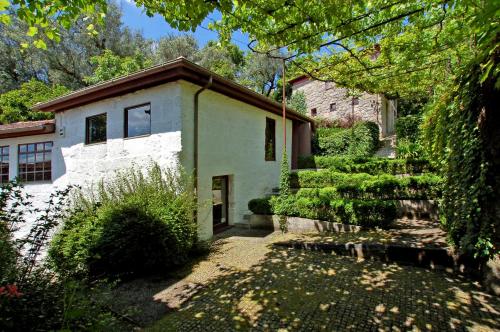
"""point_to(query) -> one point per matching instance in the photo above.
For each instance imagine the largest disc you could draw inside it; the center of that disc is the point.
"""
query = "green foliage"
(461, 134)
(170, 47)
(359, 141)
(261, 73)
(260, 206)
(384, 187)
(362, 185)
(412, 106)
(370, 165)
(367, 213)
(298, 102)
(109, 65)
(409, 149)
(224, 60)
(134, 223)
(408, 127)
(284, 175)
(16, 105)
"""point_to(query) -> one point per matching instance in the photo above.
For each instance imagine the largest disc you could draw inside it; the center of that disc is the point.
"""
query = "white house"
(175, 113)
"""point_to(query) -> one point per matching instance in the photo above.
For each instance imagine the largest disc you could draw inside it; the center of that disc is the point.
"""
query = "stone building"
(174, 114)
(328, 101)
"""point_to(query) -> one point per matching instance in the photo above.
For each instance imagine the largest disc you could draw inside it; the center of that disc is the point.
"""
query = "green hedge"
(260, 206)
(371, 165)
(384, 187)
(367, 213)
(408, 127)
(365, 186)
(359, 141)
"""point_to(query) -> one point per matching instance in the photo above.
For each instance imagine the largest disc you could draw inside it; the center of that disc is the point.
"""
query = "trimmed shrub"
(371, 165)
(260, 206)
(368, 213)
(133, 224)
(365, 186)
(408, 127)
(359, 141)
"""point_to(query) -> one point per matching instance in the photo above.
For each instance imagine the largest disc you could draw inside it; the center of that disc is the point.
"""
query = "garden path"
(246, 283)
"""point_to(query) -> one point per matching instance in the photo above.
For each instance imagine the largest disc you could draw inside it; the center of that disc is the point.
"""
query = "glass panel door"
(220, 185)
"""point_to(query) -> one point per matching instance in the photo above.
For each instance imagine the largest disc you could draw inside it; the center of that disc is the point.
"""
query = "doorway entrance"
(220, 201)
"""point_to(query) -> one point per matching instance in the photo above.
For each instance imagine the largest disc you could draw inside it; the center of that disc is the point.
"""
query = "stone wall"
(321, 95)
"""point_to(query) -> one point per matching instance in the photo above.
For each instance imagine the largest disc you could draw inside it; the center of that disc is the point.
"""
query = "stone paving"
(250, 285)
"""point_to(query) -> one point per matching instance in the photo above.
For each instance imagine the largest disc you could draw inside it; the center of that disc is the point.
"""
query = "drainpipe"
(195, 150)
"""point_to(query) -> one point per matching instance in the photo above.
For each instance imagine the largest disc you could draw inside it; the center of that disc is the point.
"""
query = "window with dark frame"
(95, 129)
(333, 107)
(355, 100)
(314, 112)
(35, 162)
(138, 120)
(4, 164)
(270, 145)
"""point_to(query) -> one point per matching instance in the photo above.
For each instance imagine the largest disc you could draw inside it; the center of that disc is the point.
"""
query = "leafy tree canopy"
(16, 105)
(109, 65)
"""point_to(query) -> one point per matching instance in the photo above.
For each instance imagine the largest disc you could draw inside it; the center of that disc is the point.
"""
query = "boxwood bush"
(370, 165)
(408, 127)
(260, 206)
(359, 141)
(136, 223)
(367, 213)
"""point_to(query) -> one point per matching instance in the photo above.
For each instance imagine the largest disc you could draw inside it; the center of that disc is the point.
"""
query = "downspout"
(195, 150)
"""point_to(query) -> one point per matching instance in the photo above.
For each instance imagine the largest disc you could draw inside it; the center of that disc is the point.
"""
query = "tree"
(226, 60)
(298, 102)
(171, 47)
(261, 73)
(109, 65)
(16, 105)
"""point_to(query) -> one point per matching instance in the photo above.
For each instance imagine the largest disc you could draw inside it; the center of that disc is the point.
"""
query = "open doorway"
(220, 201)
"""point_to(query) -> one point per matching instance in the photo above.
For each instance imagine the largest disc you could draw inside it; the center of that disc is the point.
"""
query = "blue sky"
(156, 27)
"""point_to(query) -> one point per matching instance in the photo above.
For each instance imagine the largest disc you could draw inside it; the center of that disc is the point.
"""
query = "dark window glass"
(314, 112)
(333, 107)
(270, 140)
(138, 120)
(4, 164)
(34, 161)
(355, 100)
(96, 129)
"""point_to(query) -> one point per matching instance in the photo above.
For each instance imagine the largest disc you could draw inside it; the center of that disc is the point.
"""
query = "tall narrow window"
(4, 164)
(314, 112)
(355, 100)
(138, 120)
(35, 161)
(95, 129)
(270, 145)
(333, 107)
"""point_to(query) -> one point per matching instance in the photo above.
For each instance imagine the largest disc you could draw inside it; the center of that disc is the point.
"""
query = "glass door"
(220, 186)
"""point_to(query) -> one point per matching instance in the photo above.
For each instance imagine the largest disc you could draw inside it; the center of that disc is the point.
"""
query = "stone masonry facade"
(325, 100)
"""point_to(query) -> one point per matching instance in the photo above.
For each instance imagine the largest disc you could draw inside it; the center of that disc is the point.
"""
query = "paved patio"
(247, 284)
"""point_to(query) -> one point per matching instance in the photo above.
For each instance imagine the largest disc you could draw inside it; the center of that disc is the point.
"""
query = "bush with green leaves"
(260, 206)
(408, 127)
(134, 223)
(361, 140)
(367, 213)
(370, 165)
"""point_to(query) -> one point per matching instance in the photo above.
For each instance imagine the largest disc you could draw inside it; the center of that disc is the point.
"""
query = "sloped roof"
(178, 69)
(27, 128)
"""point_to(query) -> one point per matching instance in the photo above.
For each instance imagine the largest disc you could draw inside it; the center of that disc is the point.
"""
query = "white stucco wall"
(231, 142)
(74, 162)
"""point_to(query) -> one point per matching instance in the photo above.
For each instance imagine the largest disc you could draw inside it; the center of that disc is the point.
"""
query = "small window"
(35, 162)
(270, 147)
(355, 100)
(138, 120)
(314, 112)
(4, 164)
(333, 107)
(96, 129)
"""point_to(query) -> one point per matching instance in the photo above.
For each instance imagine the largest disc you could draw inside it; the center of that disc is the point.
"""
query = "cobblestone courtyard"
(292, 290)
